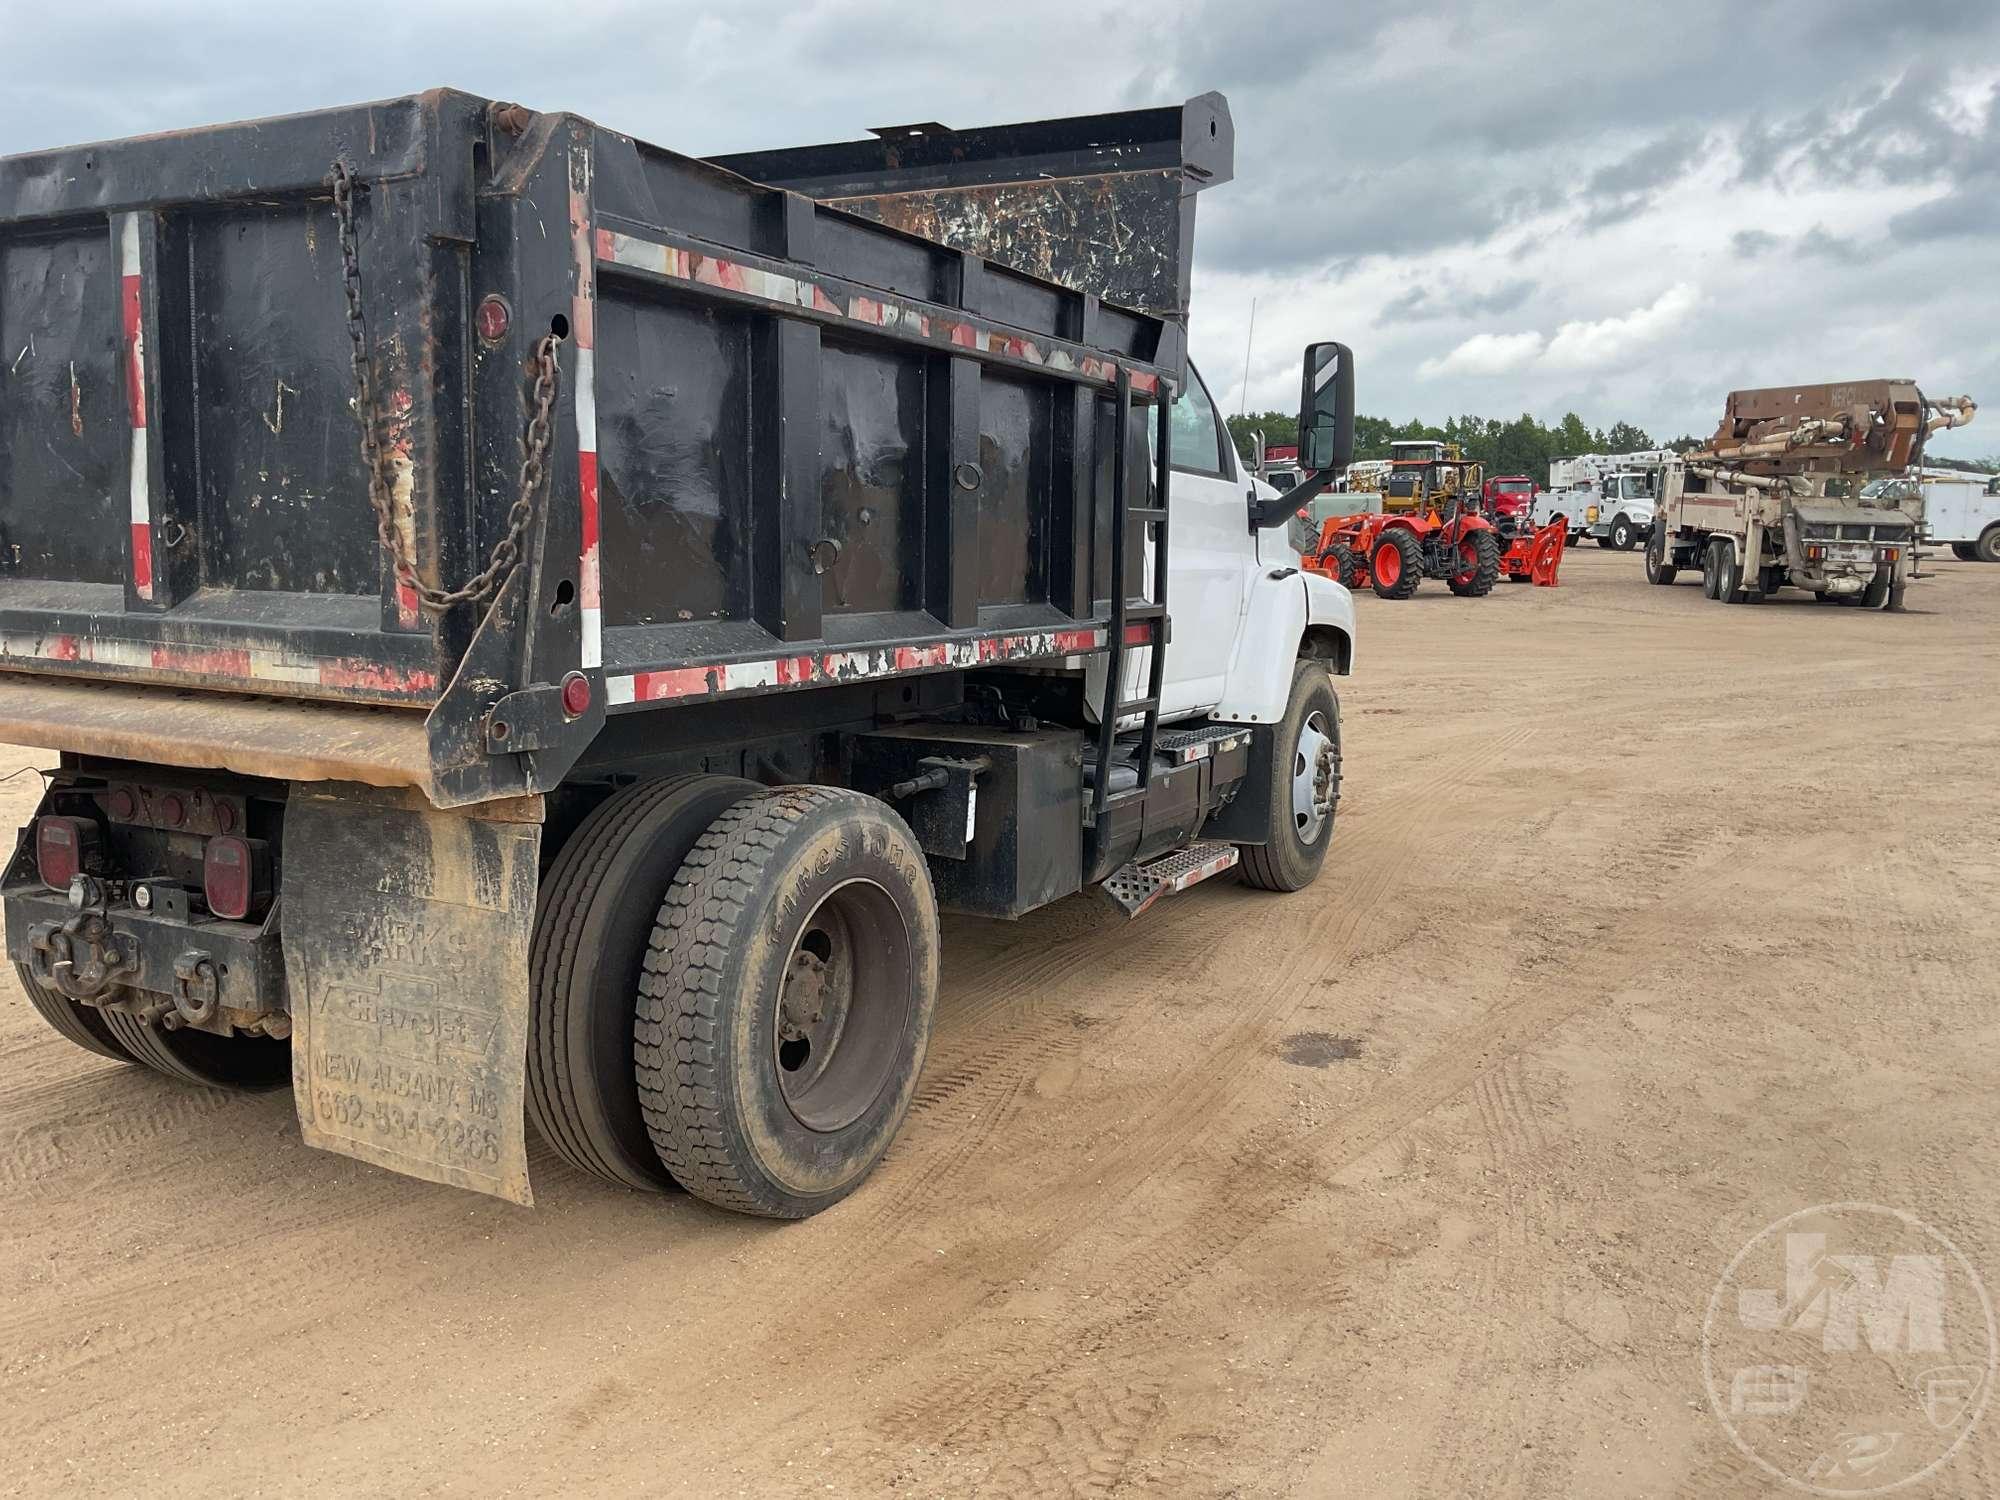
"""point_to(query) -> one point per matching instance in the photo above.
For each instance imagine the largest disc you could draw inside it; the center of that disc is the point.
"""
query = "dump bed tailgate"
(182, 497)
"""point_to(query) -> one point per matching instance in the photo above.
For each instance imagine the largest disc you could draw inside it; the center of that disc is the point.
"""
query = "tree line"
(1522, 446)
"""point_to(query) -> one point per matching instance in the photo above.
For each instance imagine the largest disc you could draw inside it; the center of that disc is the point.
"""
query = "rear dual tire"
(77, 1023)
(249, 1063)
(596, 913)
(786, 1004)
(733, 991)
(1721, 573)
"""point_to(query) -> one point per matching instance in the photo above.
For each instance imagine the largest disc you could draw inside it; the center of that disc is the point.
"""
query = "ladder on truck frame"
(1137, 885)
(1125, 612)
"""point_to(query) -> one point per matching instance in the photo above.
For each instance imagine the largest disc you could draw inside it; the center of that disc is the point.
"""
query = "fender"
(1287, 613)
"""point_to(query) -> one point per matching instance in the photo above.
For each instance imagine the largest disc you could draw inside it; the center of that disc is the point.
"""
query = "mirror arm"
(1281, 508)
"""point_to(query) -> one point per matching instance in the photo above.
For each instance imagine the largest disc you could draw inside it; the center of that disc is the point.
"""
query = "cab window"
(1197, 434)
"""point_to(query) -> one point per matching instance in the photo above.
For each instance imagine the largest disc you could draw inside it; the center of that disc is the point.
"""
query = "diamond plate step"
(1137, 886)
(1184, 745)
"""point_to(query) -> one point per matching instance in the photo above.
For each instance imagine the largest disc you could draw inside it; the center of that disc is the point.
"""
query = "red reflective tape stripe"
(142, 556)
(684, 682)
(219, 662)
(911, 658)
(347, 673)
(591, 585)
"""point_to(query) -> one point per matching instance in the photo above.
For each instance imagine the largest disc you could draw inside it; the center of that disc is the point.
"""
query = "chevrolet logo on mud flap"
(401, 1015)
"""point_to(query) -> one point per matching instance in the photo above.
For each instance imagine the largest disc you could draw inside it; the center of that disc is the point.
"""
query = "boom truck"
(536, 624)
(1781, 494)
(1608, 497)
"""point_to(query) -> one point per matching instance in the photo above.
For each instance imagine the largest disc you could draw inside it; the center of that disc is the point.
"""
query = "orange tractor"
(1431, 525)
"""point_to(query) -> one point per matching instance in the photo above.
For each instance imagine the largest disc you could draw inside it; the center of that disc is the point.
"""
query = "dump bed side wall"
(787, 445)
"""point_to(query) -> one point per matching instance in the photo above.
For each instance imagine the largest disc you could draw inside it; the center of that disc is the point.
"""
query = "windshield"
(1889, 489)
(1513, 486)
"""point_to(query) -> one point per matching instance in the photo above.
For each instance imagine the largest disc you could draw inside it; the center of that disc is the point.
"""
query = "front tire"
(1987, 548)
(596, 914)
(1305, 786)
(1479, 556)
(1623, 534)
(1347, 569)
(787, 998)
(1658, 569)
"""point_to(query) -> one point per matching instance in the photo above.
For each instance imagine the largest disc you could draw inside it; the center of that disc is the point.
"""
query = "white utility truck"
(1606, 496)
(1960, 510)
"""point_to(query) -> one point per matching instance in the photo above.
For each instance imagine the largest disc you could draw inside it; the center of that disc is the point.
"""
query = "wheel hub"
(842, 1004)
(813, 1007)
(1312, 779)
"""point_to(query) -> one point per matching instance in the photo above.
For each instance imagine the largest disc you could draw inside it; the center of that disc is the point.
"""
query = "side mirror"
(1326, 407)
(1326, 431)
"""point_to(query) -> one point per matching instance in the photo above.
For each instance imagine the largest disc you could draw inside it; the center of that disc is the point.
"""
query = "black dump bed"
(787, 444)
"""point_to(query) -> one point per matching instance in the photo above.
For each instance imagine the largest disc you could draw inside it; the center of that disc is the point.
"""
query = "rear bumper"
(286, 740)
(238, 962)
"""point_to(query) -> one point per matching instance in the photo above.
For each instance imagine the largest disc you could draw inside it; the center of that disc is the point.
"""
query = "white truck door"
(1210, 551)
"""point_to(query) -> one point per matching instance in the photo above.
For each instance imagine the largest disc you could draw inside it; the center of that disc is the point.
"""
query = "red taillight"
(232, 875)
(576, 695)
(64, 848)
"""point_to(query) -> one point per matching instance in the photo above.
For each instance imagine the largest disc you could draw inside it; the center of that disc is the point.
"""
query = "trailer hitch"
(81, 957)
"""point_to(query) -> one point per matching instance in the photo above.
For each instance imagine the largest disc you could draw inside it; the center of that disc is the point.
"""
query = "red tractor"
(1394, 553)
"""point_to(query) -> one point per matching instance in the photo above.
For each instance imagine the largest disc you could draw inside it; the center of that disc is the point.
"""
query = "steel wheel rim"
(1312, 778)
(844, 1004)
(1388, 563)
(1469, 555)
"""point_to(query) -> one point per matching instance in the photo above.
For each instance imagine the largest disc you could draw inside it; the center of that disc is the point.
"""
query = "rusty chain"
(535, 441)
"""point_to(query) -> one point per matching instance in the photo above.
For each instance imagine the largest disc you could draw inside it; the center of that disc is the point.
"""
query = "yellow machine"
(1425, 474)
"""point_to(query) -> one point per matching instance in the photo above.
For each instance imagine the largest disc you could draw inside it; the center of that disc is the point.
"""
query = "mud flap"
(406, 954)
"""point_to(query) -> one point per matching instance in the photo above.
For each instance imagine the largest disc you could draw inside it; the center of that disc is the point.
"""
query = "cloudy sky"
(1621, 209)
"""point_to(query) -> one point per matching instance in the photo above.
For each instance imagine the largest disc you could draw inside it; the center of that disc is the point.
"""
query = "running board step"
(1184, 745)
(1138, 886)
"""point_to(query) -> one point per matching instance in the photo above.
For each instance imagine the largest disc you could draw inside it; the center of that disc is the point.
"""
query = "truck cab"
(1510, 501)
(1624, 509)
(1220, 573)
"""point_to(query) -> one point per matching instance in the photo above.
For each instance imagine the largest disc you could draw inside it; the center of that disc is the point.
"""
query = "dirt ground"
(1647, 922)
